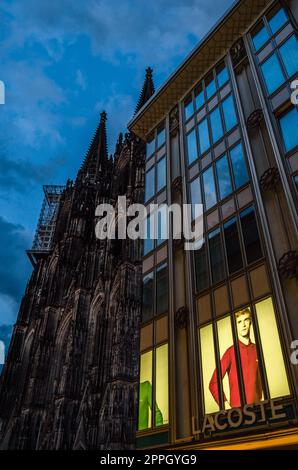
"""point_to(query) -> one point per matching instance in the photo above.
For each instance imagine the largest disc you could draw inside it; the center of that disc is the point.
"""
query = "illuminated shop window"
(154, 388)
(234, 376)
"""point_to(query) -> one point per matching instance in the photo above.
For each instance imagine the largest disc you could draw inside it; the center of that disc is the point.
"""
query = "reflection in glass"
(210, 88)
(201, 269)
(289, 53)
(162, 224)
(161, 174)
(272, 353)
(149, 230)
(230, 117)
(222, 76)
(192, 153)
(162, 289)
(223, 177)
(232, 245)
(209, 188)
(188, 109)
(199, 98)
(148, 297)
(260, 38)
(149, 184)
(289, 126)
(150, 147)
(145, 391)
(203, 136)
(216, 256)
(161, 137)
(277, 20)
(238, 166)
(208, 366)
(250, 233)
(162, 386)
(216, 125)
(195, 194)
(272, 73)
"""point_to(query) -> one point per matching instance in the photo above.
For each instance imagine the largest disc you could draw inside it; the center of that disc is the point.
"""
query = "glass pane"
(273, 357)
(201, 268)
(227, 364)
(192, 153)
(149, 184)
(145, 391)
(149, 235)
(223, 177)
(216, 256)
(161, 137)
(188, 109)
(210, 88)
(162, 223)
(204, 140)
(161, 174)
(260, 38)
(162, 289)
(278, 20)
(150, 147)
(195, 194)
(199, 98)
(148, 297)
(289, 126)
(250, 233)
(230, 117)
(238, 166)
(216, 125)
(162, 386)
(249, 357)
(208, 366)
(232, 245)
(296, 181)
(222, 76)
(289, 53)
(272, 73)
(209, 188)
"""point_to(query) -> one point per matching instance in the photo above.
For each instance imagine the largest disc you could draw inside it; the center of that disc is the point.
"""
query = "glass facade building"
(218, 321)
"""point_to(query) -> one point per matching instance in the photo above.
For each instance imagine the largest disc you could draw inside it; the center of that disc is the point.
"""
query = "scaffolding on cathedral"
(42, 242)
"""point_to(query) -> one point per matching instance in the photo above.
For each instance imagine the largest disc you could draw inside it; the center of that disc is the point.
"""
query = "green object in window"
(145, 403)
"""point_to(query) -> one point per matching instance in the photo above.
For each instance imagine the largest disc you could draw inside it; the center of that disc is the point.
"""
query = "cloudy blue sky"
(62, 62)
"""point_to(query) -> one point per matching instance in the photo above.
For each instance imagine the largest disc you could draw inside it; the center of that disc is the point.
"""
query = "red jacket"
(250, 373)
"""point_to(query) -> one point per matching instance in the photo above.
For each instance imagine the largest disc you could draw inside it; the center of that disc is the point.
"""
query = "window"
(222, 76)
(199, 97)
(223, 177)
(210, 86)
(162, 224)
(289, 54)
(216, 125)
(204, 136)
(229, 113)
(277, 20)
(148, 297)
(201, 268)
(260, 38)
(238, 166)
(241, 355)
(296, 181)
(195, 194)
(289, 126)
(161, 174)
(272, 73)
(162, 289)
(250, 233)
(209, 188)
(149, 234)
(150, 148)
(154, 388)
(161, 137)
(188, 109)
(192, 153)
(149, 184)
(216, 256)
(232, 243)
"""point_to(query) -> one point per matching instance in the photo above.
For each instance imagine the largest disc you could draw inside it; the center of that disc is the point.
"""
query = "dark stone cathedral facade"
(71, 376)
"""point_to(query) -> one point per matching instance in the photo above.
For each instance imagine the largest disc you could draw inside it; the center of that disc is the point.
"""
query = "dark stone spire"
(147, 90)
(97, 152)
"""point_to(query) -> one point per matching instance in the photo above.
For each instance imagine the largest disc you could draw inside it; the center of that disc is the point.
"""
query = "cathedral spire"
(97, 152)
(147, 90)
